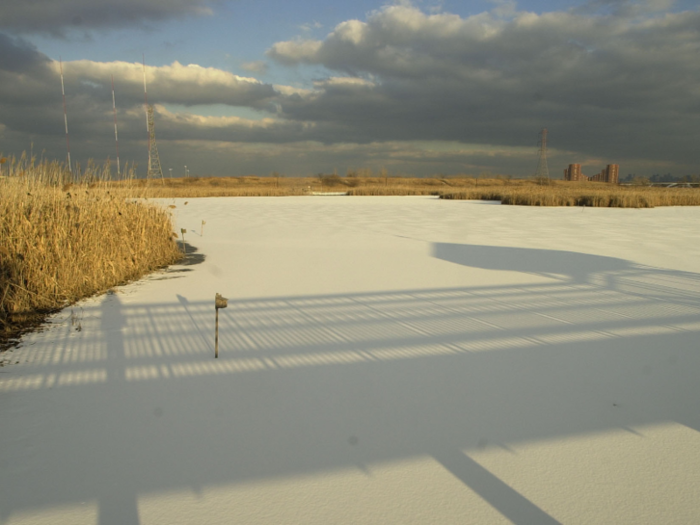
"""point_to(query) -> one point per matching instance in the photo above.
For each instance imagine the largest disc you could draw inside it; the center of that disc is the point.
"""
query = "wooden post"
(184, 246)
(219, 302)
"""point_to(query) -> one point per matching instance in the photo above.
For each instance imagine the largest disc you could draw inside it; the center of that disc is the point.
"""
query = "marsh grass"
(290, 186)
(63, 239)
(589, 194)
(192, 187)
(525, 192)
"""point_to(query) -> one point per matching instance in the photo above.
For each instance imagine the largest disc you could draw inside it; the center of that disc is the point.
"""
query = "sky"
(420, 88)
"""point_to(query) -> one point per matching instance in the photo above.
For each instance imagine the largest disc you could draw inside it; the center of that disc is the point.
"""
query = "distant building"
(598, 177)
(610, 174)
(574, 173)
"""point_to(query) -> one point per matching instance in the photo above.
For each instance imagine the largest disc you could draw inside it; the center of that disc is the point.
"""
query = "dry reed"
(193, 187)
(508, 191)
(291, 186)
(62, 241)
(581, 194)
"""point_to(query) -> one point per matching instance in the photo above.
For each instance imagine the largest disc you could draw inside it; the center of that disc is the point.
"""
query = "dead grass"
(560, 193)
(503, 189)
(193, 187)
(290, 186)
(61, 241)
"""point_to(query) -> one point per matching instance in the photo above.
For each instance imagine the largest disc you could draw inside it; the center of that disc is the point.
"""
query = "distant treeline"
(657, 177)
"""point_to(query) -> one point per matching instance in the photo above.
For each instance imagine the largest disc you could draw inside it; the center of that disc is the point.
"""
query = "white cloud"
(178, 73)
(210, 122)
(408, 87)
(615, 86)
(259, 66)
(310, 26)
(505, 8)
(175, 83)
(293, 52)
(343, 82)
(293, 90)
(352, 31)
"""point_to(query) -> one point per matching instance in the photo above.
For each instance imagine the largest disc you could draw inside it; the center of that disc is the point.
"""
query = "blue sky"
(419, 87)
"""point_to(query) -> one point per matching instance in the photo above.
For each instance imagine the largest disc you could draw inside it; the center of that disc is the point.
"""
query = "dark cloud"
(417, 93)
(25, 77)
(35, 90)
(612, 86)
(18, 55)
(61, 17)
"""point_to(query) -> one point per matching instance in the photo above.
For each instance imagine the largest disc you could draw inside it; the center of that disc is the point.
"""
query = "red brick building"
(574, 173)
(610, 174)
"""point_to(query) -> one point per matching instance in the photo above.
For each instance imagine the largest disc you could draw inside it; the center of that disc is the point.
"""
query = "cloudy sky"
(419, 87)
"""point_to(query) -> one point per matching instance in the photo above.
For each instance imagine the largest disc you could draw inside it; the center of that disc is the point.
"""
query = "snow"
(382, 360)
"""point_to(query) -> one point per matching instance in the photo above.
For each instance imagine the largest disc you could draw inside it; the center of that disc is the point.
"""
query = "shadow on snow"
(317, 383)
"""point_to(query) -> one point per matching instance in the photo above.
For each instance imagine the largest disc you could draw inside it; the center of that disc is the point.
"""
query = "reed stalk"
(67, 236)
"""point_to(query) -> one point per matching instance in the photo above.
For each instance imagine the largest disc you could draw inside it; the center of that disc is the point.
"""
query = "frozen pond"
(382, 360)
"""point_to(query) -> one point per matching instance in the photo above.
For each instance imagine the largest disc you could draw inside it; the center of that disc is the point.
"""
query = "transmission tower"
(154, 169)
(116, 135)
(542, 169)
(65, 115)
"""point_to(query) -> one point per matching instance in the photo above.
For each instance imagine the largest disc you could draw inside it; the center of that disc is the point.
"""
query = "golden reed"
(507, 191)
(581, 194)
(62, 240)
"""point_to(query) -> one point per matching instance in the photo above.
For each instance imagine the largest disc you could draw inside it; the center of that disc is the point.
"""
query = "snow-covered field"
(382, 360)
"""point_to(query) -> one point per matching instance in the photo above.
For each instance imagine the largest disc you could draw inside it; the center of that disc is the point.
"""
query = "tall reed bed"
(292, 186)
(408, 185)
(203, 188)
(509, 191)
(583, 194)
(392, 190)
(63, 239)
(192, 187)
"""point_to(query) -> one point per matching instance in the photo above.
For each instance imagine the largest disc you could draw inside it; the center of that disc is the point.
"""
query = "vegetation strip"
(582, 194)
(61, 241)
(508, 191)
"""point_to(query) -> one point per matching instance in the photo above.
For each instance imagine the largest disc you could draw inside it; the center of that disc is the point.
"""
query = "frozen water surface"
(382, 360)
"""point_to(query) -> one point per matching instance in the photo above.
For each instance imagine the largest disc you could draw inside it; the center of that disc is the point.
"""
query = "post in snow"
(219, 302)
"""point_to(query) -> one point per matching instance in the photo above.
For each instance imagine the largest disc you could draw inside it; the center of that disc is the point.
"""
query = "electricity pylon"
(154, 169)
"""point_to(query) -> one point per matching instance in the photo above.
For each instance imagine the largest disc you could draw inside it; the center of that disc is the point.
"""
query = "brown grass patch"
(507, 191)
(63, 240)
(192, 187)
(290, 186)
(560, 193)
